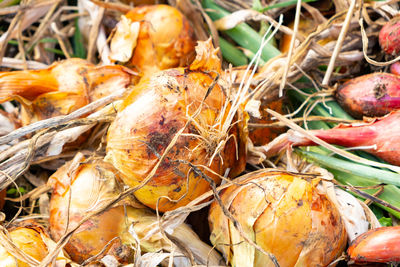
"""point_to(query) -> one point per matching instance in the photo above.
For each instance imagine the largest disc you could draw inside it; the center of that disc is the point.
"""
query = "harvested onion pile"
(131, 140)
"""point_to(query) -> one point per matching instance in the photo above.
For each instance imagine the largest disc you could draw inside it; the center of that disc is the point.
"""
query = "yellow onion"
(284, 214)
(153, 37)
(161, 106)
(60, 89)
(82, 186)
(31, 239)
(77, 191)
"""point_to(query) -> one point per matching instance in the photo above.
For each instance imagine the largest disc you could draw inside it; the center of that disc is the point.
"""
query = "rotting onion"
(371, 95)
(154, 37)
(284, 214)
(378, 245)
(62, 88)
(85, 185)
(191, 101)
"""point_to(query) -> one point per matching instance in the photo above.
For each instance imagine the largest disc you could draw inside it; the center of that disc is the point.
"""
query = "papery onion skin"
(377, 245)
(389, 36)
(166, 39)
(284, 214)
(77, 193)
(28, 239)
(63, 87)
(157, 109)
(371, 95)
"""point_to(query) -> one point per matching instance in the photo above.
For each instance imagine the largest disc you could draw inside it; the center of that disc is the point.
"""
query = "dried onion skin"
(284, 214)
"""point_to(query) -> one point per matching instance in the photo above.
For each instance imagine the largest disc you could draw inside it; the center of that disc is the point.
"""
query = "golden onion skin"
(285, 215)
(29, 239)
(166, 39)
(152, 115)
(63, 87)
(78, 192)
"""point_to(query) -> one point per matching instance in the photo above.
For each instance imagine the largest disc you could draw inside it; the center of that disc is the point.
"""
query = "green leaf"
(79, 48)
(384, 221)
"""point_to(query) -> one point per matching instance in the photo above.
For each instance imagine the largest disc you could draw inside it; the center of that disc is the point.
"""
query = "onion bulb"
(31, 239)
(284, 214)
(78, 190)
(184, 109)
(370, 95)
(378, 245)
(395, 68)
(153, 37)
(60, 89)
(82, 186)
(389, 36)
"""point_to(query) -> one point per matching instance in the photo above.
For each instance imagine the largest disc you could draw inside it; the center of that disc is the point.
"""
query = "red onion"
(370, 95)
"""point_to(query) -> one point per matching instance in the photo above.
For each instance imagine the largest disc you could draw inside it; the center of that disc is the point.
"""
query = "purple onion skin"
(395, 68)
(371, 95)
(389, 37)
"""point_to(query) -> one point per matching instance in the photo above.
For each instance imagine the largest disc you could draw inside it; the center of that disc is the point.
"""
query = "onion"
(153, 38)
(79, 191)
(284, 214)
(370, 95)
(377, 245)
(161, 106)
(389, 36)
(380, 138)
(60, 89)
(395, 68)
(30, 238)
(82, 186)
